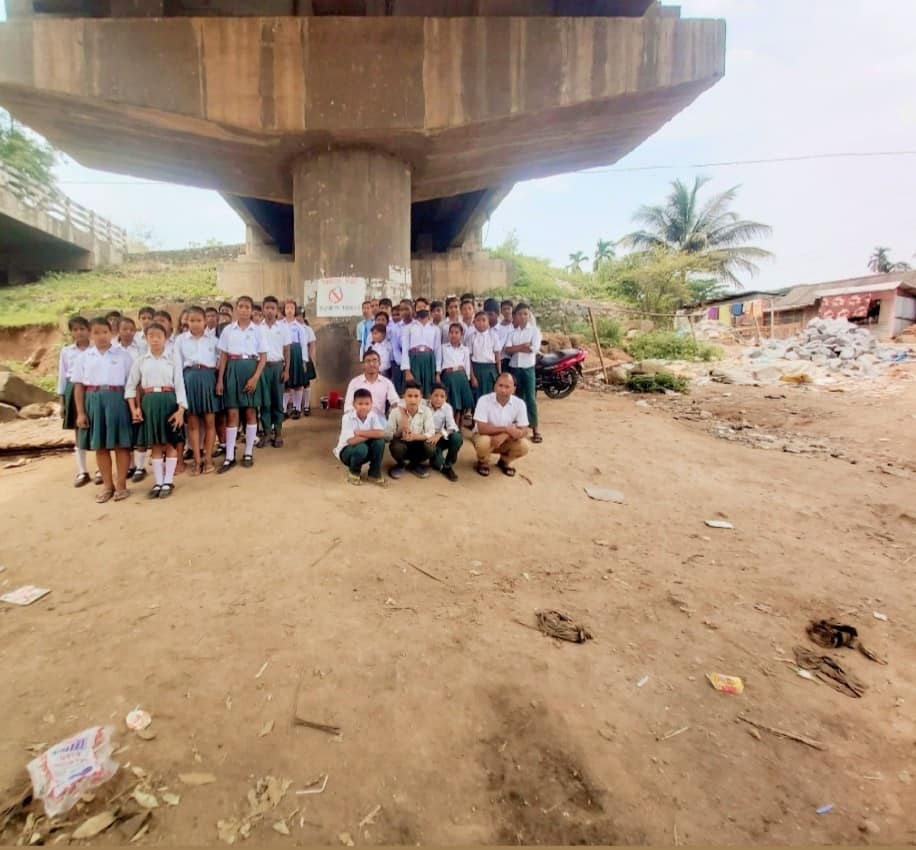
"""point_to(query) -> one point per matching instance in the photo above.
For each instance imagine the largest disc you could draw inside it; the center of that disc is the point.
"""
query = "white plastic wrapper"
(62, 774)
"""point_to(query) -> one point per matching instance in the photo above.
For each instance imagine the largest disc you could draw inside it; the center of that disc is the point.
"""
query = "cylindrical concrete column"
(351, 212)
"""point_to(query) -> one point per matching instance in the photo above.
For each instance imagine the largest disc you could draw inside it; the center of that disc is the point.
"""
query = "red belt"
(92, 388)
(420, 348)
(159, 389)
(243, 356)
(451, 369)
(200, 366)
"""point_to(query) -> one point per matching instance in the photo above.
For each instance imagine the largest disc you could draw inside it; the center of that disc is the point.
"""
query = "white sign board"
(339, 297)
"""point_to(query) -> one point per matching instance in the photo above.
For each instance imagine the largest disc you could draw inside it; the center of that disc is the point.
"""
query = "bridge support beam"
(352, 220)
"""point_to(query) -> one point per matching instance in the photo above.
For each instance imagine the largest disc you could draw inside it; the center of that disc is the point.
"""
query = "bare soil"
(462, 722)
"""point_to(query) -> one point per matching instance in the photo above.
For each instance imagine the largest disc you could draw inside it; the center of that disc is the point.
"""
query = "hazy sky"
(802, 77)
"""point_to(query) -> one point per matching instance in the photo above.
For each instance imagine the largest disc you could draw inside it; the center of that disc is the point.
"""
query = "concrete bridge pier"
(351, 210)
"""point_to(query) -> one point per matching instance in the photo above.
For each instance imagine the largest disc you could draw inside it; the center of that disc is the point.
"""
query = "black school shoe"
(166, 491)
(307, 411)
(296, 414)
(227, 465)
(449, 473)
(138, 476)
(247, 461)
(155, 493)
(82, 479)
(219, 451)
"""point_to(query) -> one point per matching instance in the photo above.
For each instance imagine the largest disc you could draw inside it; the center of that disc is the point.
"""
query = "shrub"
(668, 345)
(658, 382)
(610, 334)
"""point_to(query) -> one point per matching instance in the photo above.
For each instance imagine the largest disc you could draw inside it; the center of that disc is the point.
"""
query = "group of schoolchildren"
(173, 393)
(429, 367)
(180, 393)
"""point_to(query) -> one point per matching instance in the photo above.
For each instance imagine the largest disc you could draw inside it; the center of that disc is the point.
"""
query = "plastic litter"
(25, 595)
(718, 523)
(823, 810)
(62, 774)
(138, 719)
(726, 684)
(642, 681)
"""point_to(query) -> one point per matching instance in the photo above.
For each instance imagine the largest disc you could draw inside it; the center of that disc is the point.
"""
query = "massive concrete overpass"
(353, 133)
(42, 230)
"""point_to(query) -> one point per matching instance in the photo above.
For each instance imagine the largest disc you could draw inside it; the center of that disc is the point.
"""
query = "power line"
(601, 170)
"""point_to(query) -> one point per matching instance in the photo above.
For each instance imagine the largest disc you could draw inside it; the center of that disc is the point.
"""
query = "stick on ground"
(323, 555)
(427, 574)
(781, 733)
(321, 727)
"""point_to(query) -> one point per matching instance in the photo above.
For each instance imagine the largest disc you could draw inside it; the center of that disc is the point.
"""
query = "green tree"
(575, 261)
(881, 263)
(707, 289)
(709, 229)
(22, 150)
(656, 281)
(604, 251)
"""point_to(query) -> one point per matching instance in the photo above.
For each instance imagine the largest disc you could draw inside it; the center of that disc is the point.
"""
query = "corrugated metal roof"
(807, 294)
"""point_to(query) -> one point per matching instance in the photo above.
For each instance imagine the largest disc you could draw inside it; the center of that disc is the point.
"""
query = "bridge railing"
(55, 204)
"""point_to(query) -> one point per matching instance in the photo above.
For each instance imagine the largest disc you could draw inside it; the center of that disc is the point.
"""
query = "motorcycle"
(557, 373)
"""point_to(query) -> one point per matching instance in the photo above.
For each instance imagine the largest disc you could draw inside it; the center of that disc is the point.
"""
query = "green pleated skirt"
(110, 425)
(423, 367)
(237, 374)
(486, 378)
(69, 411)
(157, 431)
(458, 391)
(200, 386)
(296, 367)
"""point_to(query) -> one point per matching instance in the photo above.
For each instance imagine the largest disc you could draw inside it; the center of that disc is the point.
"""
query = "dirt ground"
(461, 723)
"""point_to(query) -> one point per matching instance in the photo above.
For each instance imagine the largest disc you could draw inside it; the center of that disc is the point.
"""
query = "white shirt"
(197, 350)
(484, 347)
(95, 369)
(381, 388)
(150, 371)
(242, 341)
(385, 353)
(453, 356)
(209, 332)
(444, 419)
(276, 336)
(140, 341)
(519, 336)
(295, 331)
(420, 423)
(69, 354)
(502, 332)
(351, 424)
(308, 336)
(134, 350)
(418, 335)
(489, 410)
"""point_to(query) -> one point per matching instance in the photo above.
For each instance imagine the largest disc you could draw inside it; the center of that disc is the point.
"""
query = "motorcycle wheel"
(564, 385)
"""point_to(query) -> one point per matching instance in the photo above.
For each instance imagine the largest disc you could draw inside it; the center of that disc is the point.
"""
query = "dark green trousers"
(524, 389)
(447, 451)
(272, 397)
(356, 457)
(416, 451)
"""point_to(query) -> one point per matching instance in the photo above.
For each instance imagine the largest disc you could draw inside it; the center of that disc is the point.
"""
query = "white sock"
(297, 399)
(306, 398)
(81, 461)
(170, 464)
(157, 464)
(251, 434)
(139, 459)
(287, 395)
(230, 442)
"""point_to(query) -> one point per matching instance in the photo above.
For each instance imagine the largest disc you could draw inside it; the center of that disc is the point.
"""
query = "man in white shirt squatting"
(501, 427)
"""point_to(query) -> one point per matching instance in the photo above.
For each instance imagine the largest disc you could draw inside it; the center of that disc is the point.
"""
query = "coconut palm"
(879, 262)
(575, 261)
(684, 224)
(604, 251)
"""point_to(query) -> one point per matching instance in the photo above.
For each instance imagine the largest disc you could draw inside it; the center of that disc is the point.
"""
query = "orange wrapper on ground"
(726, 684)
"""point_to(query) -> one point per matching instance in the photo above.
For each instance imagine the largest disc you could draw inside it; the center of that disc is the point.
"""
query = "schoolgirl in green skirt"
(69, 354)
(157, 377)
(199, 358)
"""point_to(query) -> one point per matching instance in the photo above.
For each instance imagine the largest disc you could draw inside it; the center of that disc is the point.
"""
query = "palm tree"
(711, 229)
(575, 261)
(604, 251)
(879, 262)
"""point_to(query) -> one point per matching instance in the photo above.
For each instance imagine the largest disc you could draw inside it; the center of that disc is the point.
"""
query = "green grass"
(668, 345)
(656, 383)
(55, 297)
(610, 333)
(535, 278)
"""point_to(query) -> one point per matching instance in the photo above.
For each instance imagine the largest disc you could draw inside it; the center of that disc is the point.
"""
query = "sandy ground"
(462, 724)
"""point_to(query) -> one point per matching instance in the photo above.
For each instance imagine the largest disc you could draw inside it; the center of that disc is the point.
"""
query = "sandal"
(506, 469)
(536, 437)
(193, 470)
(208, 468)
(121, 495)
(104, 496)
(483, 469)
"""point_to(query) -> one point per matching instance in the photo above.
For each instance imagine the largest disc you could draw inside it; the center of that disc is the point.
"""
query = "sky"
(802, 78)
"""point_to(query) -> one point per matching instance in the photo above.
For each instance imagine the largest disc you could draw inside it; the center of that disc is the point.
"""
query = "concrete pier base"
(351, 212)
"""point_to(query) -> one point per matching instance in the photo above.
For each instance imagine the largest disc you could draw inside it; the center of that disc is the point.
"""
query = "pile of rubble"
(826, 350)
(20, 399)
